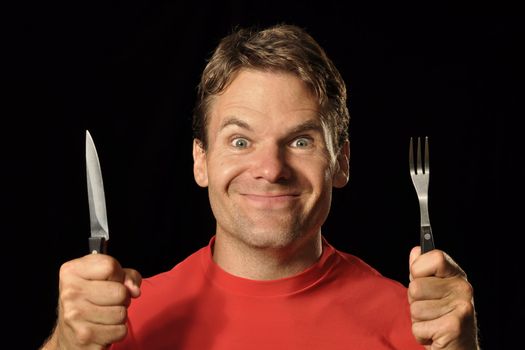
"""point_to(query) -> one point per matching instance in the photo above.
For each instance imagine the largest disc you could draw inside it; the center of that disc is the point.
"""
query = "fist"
(94, 294)
(441, 302)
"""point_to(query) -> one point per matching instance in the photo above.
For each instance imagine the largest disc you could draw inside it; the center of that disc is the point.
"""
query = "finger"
(94, 267)
(434, 263)
(115, 293)
(443, 333)
(414, 254)
(107, 315)
(86, 324)
(429, 288)
(109, 334)
(84, 311)
(107, 293)
(429, 309)
(87, 334)
(424, 331)
(133, 280)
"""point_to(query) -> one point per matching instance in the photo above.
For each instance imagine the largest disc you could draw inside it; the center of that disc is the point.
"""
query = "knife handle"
(97, 245)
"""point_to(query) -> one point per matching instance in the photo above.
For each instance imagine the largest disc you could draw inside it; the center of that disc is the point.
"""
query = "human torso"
(339, 303)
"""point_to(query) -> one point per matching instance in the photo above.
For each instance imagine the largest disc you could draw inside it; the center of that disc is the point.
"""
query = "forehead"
(268, 94)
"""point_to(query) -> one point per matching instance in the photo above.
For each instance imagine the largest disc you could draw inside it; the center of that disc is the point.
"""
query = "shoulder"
(184, 279)
(373, 298)
(168, 290)
(191, 266)
(366, 278)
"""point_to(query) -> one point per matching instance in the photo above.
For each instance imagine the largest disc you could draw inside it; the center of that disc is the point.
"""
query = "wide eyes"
(240, 143)
(300, 142)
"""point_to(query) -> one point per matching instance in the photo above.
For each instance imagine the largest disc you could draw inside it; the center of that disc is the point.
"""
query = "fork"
(420, 174)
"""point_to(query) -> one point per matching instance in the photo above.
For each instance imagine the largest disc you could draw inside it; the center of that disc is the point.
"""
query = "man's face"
(270, 163)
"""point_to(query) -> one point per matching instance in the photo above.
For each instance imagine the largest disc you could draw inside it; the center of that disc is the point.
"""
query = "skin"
(94, 294)
(269, 168)
(441, 302)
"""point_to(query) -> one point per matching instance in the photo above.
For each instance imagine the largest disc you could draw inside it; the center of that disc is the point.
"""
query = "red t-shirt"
(339, 303)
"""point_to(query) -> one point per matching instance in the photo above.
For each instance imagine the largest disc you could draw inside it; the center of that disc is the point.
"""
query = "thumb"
(414, 254)
(132, 280)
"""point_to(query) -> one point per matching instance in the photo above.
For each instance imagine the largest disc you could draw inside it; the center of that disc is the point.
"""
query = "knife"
(97, 202)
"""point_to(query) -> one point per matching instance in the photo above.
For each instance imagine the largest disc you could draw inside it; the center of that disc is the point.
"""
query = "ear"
(200, 169)
(342, 167)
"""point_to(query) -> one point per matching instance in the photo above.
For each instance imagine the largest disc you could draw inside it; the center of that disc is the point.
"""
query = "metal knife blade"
(97, 201)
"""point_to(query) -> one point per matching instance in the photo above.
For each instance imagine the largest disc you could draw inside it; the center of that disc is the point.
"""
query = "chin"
(267, 231)
(270, 239)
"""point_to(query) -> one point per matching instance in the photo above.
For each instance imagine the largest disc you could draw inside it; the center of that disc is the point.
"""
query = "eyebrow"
(308, 125)
(237, 122)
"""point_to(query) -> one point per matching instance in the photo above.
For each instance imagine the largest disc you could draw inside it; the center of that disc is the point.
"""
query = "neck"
(266, 263)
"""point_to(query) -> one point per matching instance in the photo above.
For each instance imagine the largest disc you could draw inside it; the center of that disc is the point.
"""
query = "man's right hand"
(94, 294)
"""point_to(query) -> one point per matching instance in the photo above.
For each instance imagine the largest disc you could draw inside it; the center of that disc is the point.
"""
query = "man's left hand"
(441, 302)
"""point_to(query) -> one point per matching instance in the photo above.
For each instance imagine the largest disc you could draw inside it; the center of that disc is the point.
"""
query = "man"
(270, 143)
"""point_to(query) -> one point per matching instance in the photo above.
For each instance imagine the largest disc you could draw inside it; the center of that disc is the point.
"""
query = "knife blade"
(96, 198)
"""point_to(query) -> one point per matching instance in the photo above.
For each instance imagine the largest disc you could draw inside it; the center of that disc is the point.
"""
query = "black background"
(127, 71)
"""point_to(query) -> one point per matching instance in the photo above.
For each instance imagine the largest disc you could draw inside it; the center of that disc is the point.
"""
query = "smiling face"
(270, 164)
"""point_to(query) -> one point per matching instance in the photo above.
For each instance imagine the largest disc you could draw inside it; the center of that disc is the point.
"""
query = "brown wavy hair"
(280, 48)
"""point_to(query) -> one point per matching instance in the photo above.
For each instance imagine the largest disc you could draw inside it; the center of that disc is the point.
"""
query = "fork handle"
(427, 240)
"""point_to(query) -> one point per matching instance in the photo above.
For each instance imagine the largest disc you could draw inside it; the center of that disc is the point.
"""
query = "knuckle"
(107, 263)
(465, 308)
(119, 293)
(134, 275)
(418, 330)
(69, 293)
(453, 329)
(440, 258)
(72, 314)
(120, 332)
(465, 288)
(66, 269)
(121, 314)
(415, 310)
(414, 289)
(84, 335)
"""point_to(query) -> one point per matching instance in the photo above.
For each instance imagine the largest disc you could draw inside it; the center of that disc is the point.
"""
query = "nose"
(270, 163)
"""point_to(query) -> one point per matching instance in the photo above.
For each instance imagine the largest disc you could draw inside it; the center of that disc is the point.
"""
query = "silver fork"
(420, 174)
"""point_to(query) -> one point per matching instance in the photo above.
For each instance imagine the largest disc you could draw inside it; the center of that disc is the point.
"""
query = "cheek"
(320, 169)
(316, 175)
(223, 171)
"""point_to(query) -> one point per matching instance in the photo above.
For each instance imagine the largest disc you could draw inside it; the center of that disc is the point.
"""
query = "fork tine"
(411, 157)
(427, 162)
(419, 160)
(419, 171)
